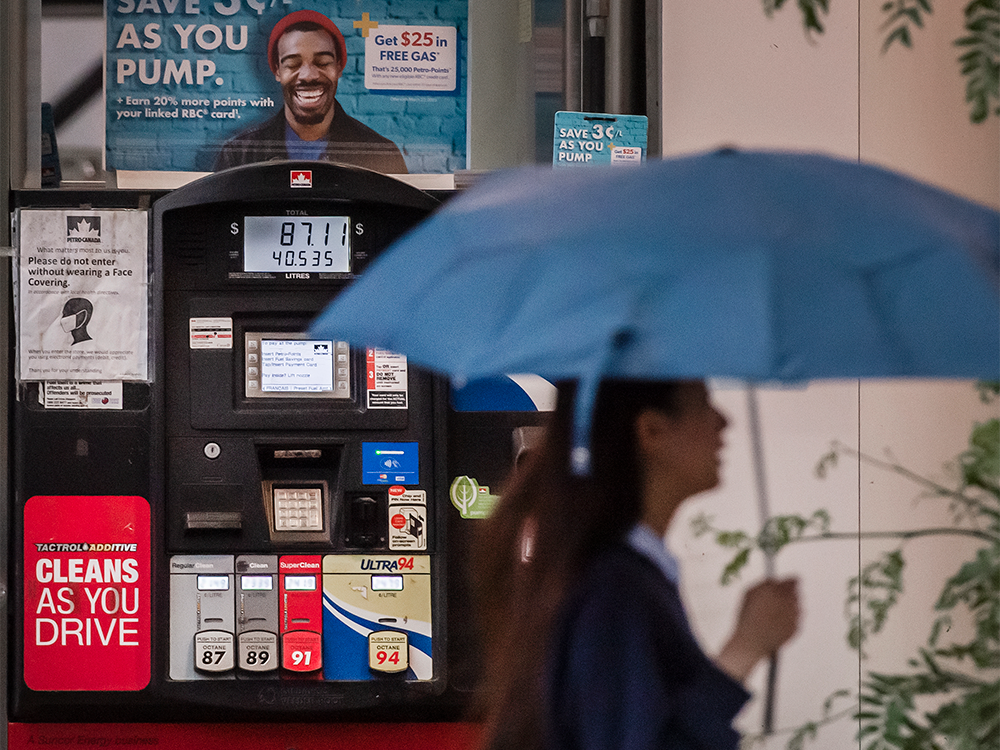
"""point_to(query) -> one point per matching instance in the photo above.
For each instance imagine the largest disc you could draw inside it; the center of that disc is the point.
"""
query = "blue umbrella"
(761, 266)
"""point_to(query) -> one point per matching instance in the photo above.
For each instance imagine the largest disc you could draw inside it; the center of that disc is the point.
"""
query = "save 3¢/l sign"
(585, 139)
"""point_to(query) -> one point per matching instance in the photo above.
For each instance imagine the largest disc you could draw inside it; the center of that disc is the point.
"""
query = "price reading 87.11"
(315, 252)
(307, 244)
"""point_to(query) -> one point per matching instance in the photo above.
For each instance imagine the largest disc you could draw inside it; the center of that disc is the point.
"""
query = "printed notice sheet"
(82, 308)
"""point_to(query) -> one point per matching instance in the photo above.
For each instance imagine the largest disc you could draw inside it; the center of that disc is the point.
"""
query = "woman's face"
(688, 452)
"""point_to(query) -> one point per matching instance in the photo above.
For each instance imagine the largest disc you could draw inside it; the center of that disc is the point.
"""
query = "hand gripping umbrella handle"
(764, 510)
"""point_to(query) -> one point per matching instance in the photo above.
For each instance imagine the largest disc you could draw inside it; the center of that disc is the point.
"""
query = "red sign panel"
(87, 592)
(243, 736)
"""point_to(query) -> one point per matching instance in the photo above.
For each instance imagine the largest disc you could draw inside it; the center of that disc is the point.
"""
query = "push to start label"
(86, 593)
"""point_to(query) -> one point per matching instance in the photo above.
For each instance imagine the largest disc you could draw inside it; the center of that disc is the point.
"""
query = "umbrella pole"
(764, 510)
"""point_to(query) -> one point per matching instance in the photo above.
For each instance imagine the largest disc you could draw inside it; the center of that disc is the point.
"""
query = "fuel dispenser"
(260, 533)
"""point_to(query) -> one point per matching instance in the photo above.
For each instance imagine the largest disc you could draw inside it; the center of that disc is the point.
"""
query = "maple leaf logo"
(83, 228)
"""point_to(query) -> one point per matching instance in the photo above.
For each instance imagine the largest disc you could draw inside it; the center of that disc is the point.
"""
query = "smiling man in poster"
(307, 54)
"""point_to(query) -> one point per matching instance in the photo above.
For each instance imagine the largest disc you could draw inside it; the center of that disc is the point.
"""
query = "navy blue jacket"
(627, 673)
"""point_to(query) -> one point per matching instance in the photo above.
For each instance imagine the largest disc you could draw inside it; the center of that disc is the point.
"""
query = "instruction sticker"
(584, 139)
(407, 519)
(210, 333)
(79, 395)
(82, 307)
(386, 379)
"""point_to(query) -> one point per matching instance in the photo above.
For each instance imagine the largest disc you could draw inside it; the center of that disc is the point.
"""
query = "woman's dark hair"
(566, 521)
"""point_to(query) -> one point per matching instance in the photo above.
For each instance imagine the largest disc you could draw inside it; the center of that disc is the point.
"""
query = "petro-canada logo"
(302, 178)
(83, 228)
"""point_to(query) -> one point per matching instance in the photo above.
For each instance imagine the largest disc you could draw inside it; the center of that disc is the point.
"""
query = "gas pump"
(260, 533)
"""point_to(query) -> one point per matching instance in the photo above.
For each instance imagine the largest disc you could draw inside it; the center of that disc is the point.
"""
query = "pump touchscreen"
(310, 244)
(296, 366)
(286, 365)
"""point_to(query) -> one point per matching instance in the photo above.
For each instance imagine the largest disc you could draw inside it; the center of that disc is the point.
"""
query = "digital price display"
(387, 583)
(300, 583)
(303, 244)
(213, 583)
(256, 583)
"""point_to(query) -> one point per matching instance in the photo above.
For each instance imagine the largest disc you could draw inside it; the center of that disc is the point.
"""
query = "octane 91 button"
(301, 651)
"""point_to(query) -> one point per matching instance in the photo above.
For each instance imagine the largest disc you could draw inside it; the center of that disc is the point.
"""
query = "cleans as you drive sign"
(86, 593)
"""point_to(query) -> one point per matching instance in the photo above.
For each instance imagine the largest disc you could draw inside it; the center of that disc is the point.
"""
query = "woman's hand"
(768, 618)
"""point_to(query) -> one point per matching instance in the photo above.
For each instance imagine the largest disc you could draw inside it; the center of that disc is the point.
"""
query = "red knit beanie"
(302, 16)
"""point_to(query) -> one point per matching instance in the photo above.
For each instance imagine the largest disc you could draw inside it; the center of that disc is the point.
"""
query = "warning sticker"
(386, 379)
(407, 519)
(81, 395)
(211, 333)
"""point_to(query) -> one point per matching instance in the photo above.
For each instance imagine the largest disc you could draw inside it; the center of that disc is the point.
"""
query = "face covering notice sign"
(82, 303)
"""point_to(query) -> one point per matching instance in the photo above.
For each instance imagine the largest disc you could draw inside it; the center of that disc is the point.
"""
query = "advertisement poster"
(87, 593)
(202, 85)
(585, 139)
(82, 306)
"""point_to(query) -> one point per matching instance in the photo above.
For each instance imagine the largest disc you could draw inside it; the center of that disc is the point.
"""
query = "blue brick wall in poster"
(184, 76)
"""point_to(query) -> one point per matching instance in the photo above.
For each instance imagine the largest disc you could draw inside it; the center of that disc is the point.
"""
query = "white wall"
(732, 76)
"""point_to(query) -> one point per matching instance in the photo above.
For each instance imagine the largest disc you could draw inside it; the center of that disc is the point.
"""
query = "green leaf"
(731, 538)
(981, 67)
(810, 10)
(701, 524)
(732, 570)
(989, 390)
(827, 462)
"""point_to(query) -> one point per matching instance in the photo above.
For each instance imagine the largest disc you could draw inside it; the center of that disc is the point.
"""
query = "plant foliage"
(980, 45)
(900, 17)
(981, 58)
(811, 11)
(948, 698)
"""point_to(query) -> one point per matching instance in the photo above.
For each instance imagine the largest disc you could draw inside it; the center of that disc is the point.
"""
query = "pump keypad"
(298, 509)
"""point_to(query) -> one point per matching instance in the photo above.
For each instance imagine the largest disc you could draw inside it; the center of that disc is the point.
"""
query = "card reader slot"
(365, 520)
